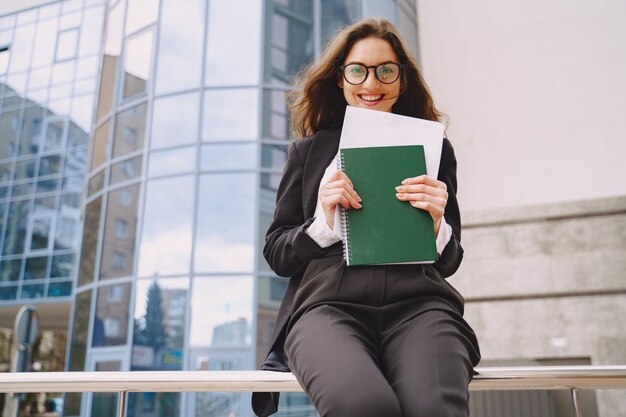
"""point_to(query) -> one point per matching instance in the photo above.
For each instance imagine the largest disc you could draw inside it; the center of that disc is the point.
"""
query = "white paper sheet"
(364, 128)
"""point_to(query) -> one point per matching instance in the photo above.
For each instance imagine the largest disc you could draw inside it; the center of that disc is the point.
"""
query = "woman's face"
(371, 94)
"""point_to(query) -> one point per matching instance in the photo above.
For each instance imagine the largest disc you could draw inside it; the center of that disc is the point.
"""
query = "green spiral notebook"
(385, 230)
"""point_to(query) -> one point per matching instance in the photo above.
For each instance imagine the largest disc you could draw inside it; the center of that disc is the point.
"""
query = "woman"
(370, 340)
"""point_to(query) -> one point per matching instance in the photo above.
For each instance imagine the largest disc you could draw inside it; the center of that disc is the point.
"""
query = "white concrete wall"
(536, 95)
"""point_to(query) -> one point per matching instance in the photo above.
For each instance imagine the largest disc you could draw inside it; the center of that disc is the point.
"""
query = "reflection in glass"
(32, 291)
(17, 223)
(49, 165)
(126, 170)
(166, 233)
(180, 45)
(141, 13)
(36, 267)
(275, 115)
(269, 185)
(63, 266)
(104, 404)
(118, 250)
(55, 133)
(222, 114)
(8, 293)
(90, 242)
(21, 48)
(24, 169)
(339, 13)
(9, 127)
(221, 312)
(95, 183)
(130, 127)
(240, 23)
(78, 346)
(175, 161)
(60, 289)
(10, 270)
(175, 120)
(159, 325)
(91, 32)
(291, 37)
(40, 233)
(110, 326)
(67, 44)
(225, 235)
(99, 147)
(82, 109)
(112, 50)
(30, 134)
(228, 157)
(137, 64)
(43, 53)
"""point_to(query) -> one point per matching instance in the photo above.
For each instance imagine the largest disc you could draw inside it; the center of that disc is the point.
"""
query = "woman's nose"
(371, 80)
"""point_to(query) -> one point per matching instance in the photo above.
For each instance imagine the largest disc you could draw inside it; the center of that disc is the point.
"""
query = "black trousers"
(361, 344)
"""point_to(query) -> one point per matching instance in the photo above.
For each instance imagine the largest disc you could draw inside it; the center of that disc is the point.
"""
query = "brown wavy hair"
(317, 102)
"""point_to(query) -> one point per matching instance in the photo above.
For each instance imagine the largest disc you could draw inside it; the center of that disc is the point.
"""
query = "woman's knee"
(359, 402)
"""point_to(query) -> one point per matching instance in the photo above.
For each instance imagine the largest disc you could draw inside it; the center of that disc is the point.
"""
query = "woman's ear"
(340, 82)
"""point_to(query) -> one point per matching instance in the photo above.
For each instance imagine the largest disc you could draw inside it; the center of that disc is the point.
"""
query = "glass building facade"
(142, 142)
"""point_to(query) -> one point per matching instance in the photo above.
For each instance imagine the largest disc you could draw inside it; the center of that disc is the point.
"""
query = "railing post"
(121, 405)
(576, 402)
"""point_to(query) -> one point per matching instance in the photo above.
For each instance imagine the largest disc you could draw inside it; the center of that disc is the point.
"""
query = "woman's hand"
(337, 190)
(427, 194)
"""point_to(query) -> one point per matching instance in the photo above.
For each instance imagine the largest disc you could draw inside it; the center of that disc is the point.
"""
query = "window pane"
(90, 242)
(130, 128)
(78, 346)
(32, 291)
(223, 110)
(176, 161)
(9, 128)
(221, 312)
(159, 324)
(118, 249)
(95, 183)
(55, 134)
(45, 43)
(32, 124)
(166, 237)
(111, 323)
(10, 270)
(67, 44)
(229, 157)
(180, 41)
(36, 267)
(126, 170)
(40, 233)
(240, 23)
(99, 149)
(8, 293)
(63, 266)
(138, 64)
(16, 228)
(175, 120)
(110, 61)
(60, 289)
(21, 48)
(91, 32)
(50, 165)
(67, 230)
(141, 13)
(225, 235)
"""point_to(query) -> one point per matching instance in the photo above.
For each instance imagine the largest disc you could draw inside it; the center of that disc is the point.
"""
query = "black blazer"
(288, 249)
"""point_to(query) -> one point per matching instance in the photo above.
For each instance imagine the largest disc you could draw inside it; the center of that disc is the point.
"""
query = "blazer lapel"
(323, 149)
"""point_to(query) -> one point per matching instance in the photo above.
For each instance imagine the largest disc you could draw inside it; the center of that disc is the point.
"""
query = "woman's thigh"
(427, 362)
(334, 357)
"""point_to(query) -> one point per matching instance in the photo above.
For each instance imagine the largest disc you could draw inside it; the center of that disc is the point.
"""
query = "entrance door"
(104, 404)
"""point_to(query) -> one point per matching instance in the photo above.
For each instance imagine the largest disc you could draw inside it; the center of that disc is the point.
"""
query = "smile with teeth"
(370, 97)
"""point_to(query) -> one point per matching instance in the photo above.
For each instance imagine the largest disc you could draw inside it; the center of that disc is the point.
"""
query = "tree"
(154, 330)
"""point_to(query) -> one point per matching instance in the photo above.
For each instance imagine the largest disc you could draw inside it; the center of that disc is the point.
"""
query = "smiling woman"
(394, 334)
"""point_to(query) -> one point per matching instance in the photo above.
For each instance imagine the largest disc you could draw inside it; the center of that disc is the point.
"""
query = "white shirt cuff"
(321, 233)
(444, 236)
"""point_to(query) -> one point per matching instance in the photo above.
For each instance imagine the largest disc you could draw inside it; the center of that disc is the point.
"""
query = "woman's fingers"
(330, 196)
(425, 179)
(423, 189)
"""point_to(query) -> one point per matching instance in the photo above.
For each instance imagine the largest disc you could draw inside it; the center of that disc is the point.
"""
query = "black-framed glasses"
(386, 73)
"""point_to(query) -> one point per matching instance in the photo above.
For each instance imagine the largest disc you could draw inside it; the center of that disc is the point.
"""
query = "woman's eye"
(356, 70)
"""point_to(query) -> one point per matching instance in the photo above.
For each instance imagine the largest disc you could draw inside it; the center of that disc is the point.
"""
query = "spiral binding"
(345, 226)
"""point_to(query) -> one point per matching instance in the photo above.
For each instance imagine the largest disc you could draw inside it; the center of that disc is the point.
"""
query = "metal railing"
(572, 378)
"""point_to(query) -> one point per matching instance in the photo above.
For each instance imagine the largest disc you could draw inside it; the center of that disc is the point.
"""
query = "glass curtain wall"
(187, 149)
(48, 64)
